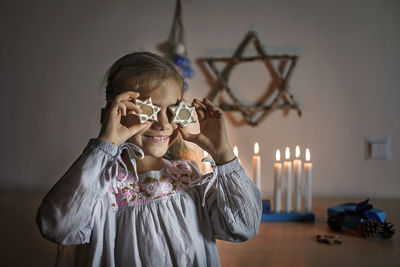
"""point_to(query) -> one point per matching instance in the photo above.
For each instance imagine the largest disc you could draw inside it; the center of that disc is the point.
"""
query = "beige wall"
(54, 55)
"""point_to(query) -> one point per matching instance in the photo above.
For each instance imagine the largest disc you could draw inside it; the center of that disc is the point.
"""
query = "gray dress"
(102, 215)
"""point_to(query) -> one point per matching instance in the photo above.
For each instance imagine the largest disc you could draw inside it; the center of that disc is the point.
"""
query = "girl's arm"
(68, 211)
(233, 202)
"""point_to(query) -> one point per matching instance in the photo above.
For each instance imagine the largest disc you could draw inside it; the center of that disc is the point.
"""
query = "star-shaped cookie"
(149, 110)
(182, 114)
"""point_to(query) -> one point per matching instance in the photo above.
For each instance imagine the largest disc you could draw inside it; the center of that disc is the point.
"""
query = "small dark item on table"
(329, 239)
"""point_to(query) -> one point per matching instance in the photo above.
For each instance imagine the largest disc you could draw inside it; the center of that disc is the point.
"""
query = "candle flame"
(297, 151)
(256, 148)
(308, 157)
(235, 151)
(287, 153)
(278, 155)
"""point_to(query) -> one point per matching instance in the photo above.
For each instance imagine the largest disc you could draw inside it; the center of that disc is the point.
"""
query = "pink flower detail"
(150, 188)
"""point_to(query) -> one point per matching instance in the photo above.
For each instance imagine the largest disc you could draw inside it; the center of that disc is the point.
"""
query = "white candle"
(277, 181)
(297, 181)
(287, 173)
(308, 181)
(206, 165)
(257, 167)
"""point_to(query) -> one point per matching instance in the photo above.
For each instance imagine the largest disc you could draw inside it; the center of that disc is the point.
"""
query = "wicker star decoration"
(182, 114)
(149, 110)
(280, 74)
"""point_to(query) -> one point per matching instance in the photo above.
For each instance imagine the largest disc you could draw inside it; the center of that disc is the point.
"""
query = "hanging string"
(177, 45)
(177, 35)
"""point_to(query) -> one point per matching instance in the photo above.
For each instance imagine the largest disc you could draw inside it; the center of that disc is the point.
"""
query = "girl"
(122, 204)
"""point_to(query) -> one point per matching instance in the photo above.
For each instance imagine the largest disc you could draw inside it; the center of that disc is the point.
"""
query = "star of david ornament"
(280, 74)
(149, 110)
(182, 114)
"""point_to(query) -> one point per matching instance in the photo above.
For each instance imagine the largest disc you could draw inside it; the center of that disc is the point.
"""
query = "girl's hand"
(112, 130)
(212, 137)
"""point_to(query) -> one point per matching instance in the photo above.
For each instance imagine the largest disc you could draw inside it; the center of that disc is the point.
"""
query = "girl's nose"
(163, 121)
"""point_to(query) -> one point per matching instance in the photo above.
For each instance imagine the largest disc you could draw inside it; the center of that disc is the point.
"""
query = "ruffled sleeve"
(68, 212)
(232, 200)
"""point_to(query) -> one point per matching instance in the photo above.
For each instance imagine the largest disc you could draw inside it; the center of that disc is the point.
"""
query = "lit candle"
(287, 173)
(297, 181)
(257, 167)
(308, 181)
(277, 181)
(206, 165)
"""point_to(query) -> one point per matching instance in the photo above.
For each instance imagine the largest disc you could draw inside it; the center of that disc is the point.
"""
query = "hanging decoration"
(177, 49)
(253, 114)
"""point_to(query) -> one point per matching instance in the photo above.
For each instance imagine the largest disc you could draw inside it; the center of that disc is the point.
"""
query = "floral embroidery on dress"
(175, 177)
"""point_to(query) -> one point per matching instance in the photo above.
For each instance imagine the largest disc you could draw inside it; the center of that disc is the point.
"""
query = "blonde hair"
(144, 69)
(147, 71)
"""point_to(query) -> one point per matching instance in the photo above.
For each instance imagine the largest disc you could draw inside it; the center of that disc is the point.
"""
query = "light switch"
(379, 148)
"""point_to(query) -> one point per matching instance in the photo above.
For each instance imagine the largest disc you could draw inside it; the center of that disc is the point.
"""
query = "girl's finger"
(201, 104)
(114, 110)
(203, 108)
(134, 129)
(214, 108)
(209, 104)
(122, 108)
(113, 115)
(127, 95)
(131, 107)
(199, 111)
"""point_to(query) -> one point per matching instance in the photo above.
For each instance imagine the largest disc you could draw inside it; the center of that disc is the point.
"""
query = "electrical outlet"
(379, 148)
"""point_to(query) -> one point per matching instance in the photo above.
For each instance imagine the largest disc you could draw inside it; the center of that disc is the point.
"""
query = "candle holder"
(293, 216)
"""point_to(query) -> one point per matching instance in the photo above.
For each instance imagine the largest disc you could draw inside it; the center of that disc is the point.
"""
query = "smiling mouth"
(158, 138)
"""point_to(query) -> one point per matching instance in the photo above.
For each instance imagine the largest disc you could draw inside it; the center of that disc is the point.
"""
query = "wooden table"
(277, 244)
(294, 244)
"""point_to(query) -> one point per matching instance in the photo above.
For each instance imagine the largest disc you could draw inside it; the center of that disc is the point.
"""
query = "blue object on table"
(266, 206)
(268, 216)
(353, 216)
(288, 217)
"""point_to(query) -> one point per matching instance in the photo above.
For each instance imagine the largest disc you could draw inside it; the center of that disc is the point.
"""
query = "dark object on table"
(373, 229)
(369, 222)
(329, 239)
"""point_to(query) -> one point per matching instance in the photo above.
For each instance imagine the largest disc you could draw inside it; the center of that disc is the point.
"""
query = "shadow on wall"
(21, 242)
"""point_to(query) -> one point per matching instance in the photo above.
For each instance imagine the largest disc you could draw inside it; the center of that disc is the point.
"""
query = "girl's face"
(156, 140)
